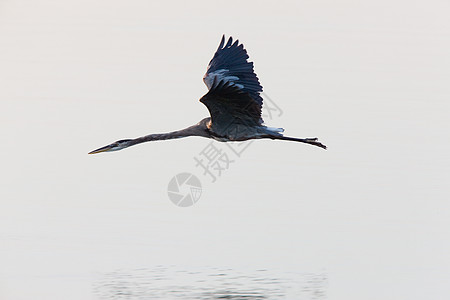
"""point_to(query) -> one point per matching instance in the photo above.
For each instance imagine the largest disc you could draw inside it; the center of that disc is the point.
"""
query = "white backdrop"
(370, 79)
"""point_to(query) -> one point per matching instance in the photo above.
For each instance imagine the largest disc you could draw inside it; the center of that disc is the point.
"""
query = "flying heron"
(234, 103)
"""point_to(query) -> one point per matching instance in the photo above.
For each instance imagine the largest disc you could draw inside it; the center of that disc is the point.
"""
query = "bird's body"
(233, 101)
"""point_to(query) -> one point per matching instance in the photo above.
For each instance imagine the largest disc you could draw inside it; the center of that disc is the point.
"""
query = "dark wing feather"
(231, 109)
(230, 67)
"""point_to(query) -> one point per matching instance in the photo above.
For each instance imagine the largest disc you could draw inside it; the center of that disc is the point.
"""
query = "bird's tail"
(311, 141)
(275, 130)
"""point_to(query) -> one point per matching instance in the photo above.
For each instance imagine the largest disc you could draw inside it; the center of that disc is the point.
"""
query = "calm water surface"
(209, 283)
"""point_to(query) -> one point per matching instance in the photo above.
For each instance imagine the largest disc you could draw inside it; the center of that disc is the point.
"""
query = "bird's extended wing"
(234, 89)
(231, 109)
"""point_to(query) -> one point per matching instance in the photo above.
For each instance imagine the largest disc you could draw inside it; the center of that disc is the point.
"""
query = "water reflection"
(171, 282)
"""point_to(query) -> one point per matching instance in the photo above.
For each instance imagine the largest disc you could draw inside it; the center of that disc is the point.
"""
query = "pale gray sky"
(371, 79)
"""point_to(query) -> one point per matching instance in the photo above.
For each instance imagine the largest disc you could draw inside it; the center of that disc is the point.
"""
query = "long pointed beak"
(102, 149)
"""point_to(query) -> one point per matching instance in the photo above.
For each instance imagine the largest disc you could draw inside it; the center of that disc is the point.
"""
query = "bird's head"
(119, 145)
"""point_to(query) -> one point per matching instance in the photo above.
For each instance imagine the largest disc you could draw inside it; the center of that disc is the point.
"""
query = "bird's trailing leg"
(311, 141)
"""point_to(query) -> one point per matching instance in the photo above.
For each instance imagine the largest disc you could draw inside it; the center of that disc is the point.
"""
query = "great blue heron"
(233, 101)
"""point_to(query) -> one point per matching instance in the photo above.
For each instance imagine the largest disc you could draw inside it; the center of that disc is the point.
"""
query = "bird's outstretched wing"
(234, 89)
